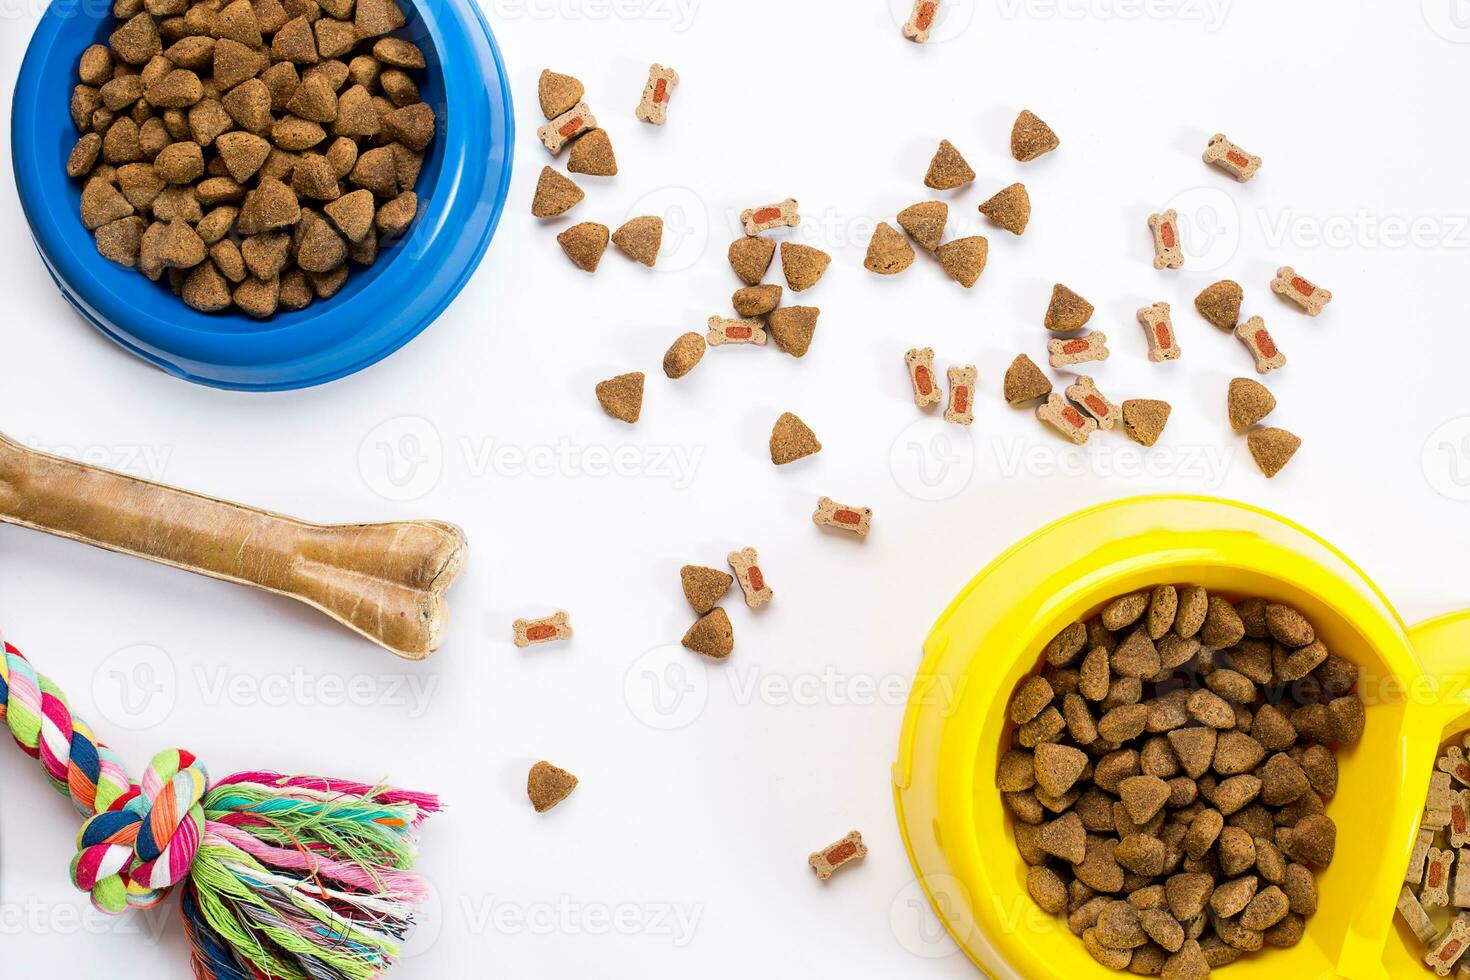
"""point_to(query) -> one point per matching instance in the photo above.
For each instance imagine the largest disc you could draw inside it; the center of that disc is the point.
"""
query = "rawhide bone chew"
(746, 564)
(920, 361)
(961, 408)
(835, 855)
(1158, 327)
(654, 107)
(723, 330)
(1231, 158)
(1303, 292)
(829, 513)
(567, 127)
(1258, 341)
(768, 216)
(1165, 226)
(557, 626)
(1093, 347)
(921, 20)
(386, 581)
(279, 876)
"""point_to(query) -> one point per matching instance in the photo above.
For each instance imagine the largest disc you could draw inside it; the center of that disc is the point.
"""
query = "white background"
(683, 853)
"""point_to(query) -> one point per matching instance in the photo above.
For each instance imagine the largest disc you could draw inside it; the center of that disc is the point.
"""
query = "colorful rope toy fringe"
(282, 876)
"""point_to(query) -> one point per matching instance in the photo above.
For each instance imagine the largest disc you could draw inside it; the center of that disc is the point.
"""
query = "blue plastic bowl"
(462, 191)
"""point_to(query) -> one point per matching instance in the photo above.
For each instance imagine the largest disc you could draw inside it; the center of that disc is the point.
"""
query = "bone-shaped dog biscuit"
(835, 855)
(1303, 292)
(829, 513)
(1066, 419)
(1454, 764)
(653, 109)
(1167, 252)
(961, 407)
(768, 216)
(920, 361)
(1415, 917)
(1093, 347)
(746, 565)
(1231, 158)
(723, 330)
(1436, 890)
(1459, 826)
(1422, 843)
(566, 127)
(1158, 329)
(1258, 341)
(1445, 953)
(921, 20)
(554, 627)
(1085, 393)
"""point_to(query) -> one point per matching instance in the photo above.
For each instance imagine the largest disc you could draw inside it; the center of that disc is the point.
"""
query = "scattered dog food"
(584, 244)
(1144, 419)
(566, 127)
(593, 155)
(703, 587)
(653, 108)
(1167, 252)
(751, 257)
(683, 354)
(1231, 158)
(961, 408)
(1078, 350)
(948, 170)
(1158, 328)
(1247, 402)
(1025, 381)
(850, 848)
(711, 635)
(548, 785)
(964, 259)
(1011, 208)
(1220, 303)
(925, 223)
(920, 362)
(1272, 449)
(1084, 393)
(829, 513)
(888, 252)
(768, 216)
(555, 195)
(622, 397)
(1066, 310)
(1258, 341)
(1155, 775)
(558, 93)
(792, 439)
(802, 265)
(1066, 419)
(921, 20)
(554, 627)
(1030, 137)
(792, 328)
(722, 330)
(746, 564)
(756, 300)
(1303, 292)
(640, 238)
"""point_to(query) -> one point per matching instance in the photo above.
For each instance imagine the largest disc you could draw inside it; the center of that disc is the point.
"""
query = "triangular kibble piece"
(750, 257)
(792, 328)
(622, 397)
(1067, 310)
(711, 635)
(243, 153)
(1248, 402)
(295, 43)
(925, 223)
(964, 258)
(1220, 303)
(1030, 137)
(1025, 381)
(584, 244)
(558, 93)
(948, 169)
(1010, 209)
(792, 439)
(889, 253)
(802, 265)
(548, 785)
(593, 154)
(555, 194)
(353, 214)
(1272, 449)
(640, 238)
(1144, 419)
(704, 587)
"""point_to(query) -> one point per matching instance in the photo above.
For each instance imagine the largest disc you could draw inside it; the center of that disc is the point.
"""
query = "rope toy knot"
(131, 855)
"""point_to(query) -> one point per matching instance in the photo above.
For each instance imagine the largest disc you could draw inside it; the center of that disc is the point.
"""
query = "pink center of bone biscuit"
(1462, 771)
(1436, 875)
(1098, 406)
(1265, 344)
(1166, 234)
(1073, 417)
(661, 90)
(1457, 819)
(845, 516)
(1238, 158)
(923, 379)
(1075, 347)
(572, 125)
(738, 333)
(1161, 334)
(841, 852)
(541, 631)
(1450, 951)
(926, 16)
(962, 399)
(1302, 286)
(765, 214)
(756, 579)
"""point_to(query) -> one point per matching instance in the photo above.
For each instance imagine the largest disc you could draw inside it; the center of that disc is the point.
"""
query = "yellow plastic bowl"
(957, 832)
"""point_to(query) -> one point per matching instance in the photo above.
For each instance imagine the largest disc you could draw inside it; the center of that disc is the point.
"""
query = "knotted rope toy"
(281, 876)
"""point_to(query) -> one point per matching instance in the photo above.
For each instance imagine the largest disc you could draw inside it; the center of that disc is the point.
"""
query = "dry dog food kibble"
(750, 257)
(826, 861)
(566, 127)
(1066, 419)
(654, 107)
(640, 238)
(558, 93)
(925, 223)
(948, 170)
(752, 580)
(548, 785)
(920, 362)
(829, 513)
(1066, 310)
(792, 328)
(961, 408)
(1158, 783)
(964, 258)
(1253, 334)
(1220, 303)
(555, 195)
(1303, 292)
(1011, 208)
(722, 330)
(1438, 874)
(703, 587)
(1078, 350)
(711, 635)
(1030, 137)
(557, 626)
(622, 397)
(1144, 419)
(921, 20)
(1272, 449)
(593, 154)
(584, 244)
(792, 439)
(888, 252)
(1025, 382)
(1247, 402)
(802, 265)
(1158, 328)
(1085, 394)
(683, 354)
(756, 300)
(768, 216)
(1167, 252)
(1231, 158)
